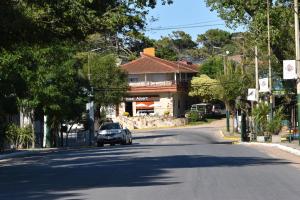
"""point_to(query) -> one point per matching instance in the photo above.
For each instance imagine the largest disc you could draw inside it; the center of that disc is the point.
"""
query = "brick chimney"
(149, 51)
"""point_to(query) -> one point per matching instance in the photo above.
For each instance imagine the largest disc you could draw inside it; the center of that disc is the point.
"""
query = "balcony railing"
(151, 83)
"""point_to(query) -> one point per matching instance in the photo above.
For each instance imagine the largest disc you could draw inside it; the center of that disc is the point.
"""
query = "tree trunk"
(31, 115)
(232, 121)
(227, 106)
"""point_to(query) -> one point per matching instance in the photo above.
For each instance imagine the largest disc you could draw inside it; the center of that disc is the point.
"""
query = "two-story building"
(157, 86)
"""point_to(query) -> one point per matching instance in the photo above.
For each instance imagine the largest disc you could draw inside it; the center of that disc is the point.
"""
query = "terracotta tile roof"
(151, 64)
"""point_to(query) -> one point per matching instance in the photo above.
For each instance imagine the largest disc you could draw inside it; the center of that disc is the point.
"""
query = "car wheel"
(100, 144)
(124, 141)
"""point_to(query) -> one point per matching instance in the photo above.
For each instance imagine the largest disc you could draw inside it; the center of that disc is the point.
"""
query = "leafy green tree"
(214, 38)
(37, 71)
(212, 66)
(42, 21)
(108, 80)
(175, 46)
(204, 87)
(226, 87)
(253, 15)
(165, 49)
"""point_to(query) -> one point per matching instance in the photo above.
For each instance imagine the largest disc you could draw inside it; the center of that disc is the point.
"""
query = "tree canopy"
(253, 16)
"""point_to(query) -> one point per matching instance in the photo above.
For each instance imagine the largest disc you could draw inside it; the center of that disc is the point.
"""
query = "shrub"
(274, 126)
(259, 114)
(193, 116)
(19, 136)
(167, 113)
(126, 114)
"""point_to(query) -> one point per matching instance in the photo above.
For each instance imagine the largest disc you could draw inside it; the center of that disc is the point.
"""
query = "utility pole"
(227, 106)
(269, 59)
(256, 74)
(297, 46)
(90, 106)
(256, 86)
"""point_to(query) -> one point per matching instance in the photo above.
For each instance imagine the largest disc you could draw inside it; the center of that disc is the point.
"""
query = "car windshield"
(110, 126)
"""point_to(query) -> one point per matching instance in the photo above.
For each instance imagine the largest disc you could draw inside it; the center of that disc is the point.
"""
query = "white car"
(113, 133)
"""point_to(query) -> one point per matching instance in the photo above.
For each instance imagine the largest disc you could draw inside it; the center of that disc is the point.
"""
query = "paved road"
(177, 164)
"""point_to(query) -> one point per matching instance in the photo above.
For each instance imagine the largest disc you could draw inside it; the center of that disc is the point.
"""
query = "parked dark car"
(113, 133)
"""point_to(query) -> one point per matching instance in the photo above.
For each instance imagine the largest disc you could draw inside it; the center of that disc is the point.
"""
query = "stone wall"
(151, 122)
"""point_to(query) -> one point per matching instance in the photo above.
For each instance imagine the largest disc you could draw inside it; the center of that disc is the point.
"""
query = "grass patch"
(207, 121)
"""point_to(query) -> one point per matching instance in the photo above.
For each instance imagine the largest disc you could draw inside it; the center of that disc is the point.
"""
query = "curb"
(26, 152)
(279, 146)
(234, 138)
(15, 154)
(39, 150)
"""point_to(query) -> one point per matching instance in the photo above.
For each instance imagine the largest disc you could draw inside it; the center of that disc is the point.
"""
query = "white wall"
(165, 104)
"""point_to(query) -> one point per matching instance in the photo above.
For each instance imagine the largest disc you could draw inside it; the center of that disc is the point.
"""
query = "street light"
(225, 72)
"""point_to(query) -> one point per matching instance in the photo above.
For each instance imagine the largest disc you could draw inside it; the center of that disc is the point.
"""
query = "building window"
(133, 80)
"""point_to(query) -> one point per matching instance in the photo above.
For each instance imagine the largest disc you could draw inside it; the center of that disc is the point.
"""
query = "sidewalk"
(292, 147)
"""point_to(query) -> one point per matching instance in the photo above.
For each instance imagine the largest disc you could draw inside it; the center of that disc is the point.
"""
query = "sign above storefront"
(133, 99)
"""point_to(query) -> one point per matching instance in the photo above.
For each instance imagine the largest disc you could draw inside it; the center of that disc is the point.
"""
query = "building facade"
(157, 87)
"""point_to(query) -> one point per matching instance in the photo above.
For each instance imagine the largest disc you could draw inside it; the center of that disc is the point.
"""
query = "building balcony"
(150, 83)
(157, 87)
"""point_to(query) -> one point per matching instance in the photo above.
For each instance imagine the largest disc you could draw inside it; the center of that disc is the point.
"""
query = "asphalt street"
(174, 164)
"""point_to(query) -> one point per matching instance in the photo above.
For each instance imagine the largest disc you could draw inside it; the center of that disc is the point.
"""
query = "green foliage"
(226, 87)
(36, 21)
(126, 114)
(193, 116)
(109, 81)
(40, 71)
(259, 114)
(275, 124)
(253, 15)
(204, 87)
(214, 38)
(166, 113)
(175, 46)
(234, 83)
(212, 66)
(19, 136)
(165, 49)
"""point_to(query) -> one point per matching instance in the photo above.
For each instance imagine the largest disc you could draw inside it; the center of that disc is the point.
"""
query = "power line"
(192, 24)
(182, 27)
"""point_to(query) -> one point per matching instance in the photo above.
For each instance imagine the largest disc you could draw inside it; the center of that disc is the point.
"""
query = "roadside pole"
(297, 46)
(227, 106)
(269, 60)
(256, 84)
(256, 74)
(90, 107)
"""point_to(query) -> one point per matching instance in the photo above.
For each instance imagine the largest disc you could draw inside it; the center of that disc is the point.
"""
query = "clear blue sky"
(183, 12)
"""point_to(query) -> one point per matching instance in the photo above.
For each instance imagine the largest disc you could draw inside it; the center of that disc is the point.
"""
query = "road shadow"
(60, 174)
